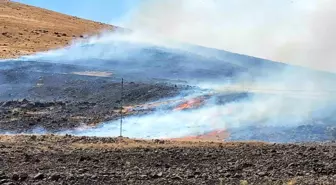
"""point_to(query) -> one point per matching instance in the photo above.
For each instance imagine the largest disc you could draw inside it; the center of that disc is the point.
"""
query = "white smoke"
(280, 30)
(300, 32)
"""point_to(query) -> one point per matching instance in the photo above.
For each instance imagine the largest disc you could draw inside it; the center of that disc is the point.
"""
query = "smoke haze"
(295, 32)
(300, 32)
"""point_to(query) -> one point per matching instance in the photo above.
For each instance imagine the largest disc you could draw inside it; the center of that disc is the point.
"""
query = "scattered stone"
(176, 177)
(2, 181)
(143, 176)
(9, 183)
(262, 174)
(23, 176)
(15, 177)
(55, 177)
(159, 174)
(39, 176)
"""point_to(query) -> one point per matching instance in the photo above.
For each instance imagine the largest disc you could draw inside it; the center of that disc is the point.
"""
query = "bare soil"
(83, 160)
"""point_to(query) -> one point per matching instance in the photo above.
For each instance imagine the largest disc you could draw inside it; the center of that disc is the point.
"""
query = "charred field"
(180, 130)
(60, 96)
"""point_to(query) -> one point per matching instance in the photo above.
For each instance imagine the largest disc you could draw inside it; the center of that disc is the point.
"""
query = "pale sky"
(107, 11)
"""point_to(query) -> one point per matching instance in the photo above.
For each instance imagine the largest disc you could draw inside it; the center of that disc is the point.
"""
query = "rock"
(2, 175)
(82, 170)
(39, 176)
(15, 177)
(55, 177)
(143, 176)
(237, 175)
(2, 181)
(23, 176)
(190, 176)
(227, 175)
(128, 163)
(33, 137)
(176, 177)
(159, 174)
(262, 174)
(156, 175)
(9, 183)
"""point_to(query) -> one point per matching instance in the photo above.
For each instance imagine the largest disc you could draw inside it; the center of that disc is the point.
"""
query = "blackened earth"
(52, 97)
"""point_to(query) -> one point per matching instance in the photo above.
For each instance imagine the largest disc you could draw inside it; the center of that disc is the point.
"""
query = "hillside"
(27, 29)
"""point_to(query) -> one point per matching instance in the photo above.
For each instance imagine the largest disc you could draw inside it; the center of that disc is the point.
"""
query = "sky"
(106, 11)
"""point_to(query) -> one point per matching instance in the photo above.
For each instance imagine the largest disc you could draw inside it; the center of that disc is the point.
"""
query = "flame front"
(216, 135)
(189, 104)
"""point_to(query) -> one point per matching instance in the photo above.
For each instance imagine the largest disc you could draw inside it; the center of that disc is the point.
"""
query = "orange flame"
(192, 103)
(217, 135)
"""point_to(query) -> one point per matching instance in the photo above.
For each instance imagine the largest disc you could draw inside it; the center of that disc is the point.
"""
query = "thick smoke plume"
(289, 31)
(300, 32)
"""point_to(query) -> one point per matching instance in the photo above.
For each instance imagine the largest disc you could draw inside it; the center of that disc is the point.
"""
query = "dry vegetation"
(26, 29)
(116, 143)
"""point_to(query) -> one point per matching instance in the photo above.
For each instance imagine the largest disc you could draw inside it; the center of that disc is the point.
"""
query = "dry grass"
(113, 143)
(26, 29)
(132, 143)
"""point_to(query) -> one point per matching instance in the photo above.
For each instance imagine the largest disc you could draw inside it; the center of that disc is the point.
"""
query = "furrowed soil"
(84, 160)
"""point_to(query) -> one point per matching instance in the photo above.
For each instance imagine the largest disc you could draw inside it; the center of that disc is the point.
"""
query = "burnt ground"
(83, 160)
(52, 97)
(55, 97)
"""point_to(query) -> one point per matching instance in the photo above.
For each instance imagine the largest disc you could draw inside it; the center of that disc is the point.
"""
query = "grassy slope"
(27, 29)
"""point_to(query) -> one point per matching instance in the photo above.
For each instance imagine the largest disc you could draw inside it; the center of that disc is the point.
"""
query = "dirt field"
(26, 29)
(83, 160)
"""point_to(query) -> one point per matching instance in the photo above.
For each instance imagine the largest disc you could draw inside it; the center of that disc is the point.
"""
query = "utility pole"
(121, 105)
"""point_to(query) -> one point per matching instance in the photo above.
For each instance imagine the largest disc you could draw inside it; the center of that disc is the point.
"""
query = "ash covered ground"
(50, 97)
(76, 88)
(166, 95)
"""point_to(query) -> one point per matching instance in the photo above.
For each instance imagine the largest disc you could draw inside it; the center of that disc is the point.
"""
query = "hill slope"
(27, 29)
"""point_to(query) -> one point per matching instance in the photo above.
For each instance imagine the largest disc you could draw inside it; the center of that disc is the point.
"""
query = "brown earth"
(86, 160)
(27, 29)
